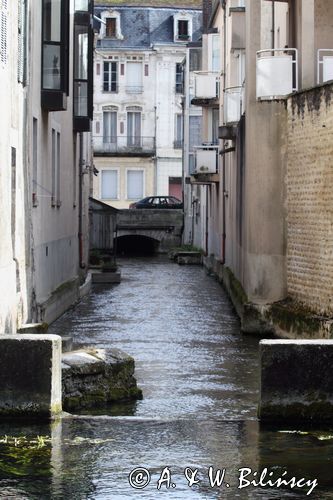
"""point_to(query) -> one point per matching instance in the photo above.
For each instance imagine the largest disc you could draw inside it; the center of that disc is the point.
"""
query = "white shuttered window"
(134, 184)
(109, 188)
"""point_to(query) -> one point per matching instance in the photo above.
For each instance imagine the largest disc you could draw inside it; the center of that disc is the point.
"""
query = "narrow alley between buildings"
(200, 381)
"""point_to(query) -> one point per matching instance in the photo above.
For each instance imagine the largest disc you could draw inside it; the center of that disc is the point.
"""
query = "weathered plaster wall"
(309, 181)
(13, 263)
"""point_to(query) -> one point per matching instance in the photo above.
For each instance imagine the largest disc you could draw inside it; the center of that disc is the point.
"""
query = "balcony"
(122, 89)
(233, 104)
(206, 88)
(206, 165)
(324, 65)
(277, 73)
(124, 146)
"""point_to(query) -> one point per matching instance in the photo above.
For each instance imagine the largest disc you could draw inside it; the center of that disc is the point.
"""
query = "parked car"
(158, 202)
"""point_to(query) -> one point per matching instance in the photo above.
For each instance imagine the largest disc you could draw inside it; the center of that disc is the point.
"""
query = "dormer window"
(182, 27)
(183, 32)
(111, 27)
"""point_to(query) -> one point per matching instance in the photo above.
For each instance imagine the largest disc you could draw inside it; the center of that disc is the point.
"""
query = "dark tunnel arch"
(136, 245)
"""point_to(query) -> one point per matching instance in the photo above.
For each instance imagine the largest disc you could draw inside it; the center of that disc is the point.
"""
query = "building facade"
(254, 216)
(138, 113)
(46, 83)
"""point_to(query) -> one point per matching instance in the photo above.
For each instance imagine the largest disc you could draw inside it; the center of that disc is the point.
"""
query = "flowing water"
(199, 377)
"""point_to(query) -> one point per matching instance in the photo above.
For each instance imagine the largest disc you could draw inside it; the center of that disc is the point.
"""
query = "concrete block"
(296, 380)
(30, 376)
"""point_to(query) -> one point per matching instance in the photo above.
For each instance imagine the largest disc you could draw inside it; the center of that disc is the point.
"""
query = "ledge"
(208, 178)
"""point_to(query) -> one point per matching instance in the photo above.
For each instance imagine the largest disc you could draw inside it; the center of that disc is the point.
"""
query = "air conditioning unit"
(206, 161)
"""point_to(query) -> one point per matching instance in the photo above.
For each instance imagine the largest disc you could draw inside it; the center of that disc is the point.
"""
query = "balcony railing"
(277, 73)
(324, 65)
(233, 104)
(206, 85)
(124, 144)
(206, 159)
(117, 89)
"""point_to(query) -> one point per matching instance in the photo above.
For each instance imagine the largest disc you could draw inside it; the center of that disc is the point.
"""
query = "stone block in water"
(30, 376)
(296, 381)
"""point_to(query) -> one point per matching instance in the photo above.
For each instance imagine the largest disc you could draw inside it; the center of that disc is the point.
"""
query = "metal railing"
(206, 85)
(124, 144)
(277, 72)
(324, 65)
(233, 104)
(128, 89)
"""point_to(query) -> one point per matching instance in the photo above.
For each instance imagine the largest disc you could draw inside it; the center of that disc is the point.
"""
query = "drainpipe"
(224, 143)
(155, 156)
(81, 177)
(207, 218)
(273, 25)
(193, 215)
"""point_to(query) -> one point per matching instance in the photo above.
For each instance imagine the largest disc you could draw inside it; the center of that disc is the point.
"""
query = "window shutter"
(109, 185)
(3, 34)
(134, 184)
(21, 41)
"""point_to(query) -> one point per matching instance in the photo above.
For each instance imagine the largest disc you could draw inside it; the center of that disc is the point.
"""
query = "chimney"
(206, 13)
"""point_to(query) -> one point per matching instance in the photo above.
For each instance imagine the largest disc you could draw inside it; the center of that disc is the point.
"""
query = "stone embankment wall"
(309, 197)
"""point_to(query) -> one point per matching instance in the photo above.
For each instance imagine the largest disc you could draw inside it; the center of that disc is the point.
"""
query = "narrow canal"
(199, 377)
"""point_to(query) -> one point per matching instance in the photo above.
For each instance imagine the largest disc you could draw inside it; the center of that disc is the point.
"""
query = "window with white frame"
(111, 26)
(110, 127)
(134, 128)
(182, 27)
(179, 79)
(135, 186)
(55, 168)
(216, 64)
(109, 185)
(110, 77)
(178, 131)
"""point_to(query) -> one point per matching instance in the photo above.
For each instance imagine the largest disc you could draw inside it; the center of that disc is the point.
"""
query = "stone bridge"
(160, 228)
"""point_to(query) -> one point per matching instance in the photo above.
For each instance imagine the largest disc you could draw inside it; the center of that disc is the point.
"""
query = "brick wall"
(309, 191)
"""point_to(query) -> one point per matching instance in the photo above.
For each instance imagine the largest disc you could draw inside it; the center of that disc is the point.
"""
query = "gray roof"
(143, 26)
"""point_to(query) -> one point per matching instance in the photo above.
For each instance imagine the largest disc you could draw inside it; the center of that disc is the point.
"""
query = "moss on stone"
(319, 411)
(235, 286)
(294, 318)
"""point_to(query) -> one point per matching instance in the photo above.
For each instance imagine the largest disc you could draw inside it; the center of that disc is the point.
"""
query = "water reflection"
(199, 376)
